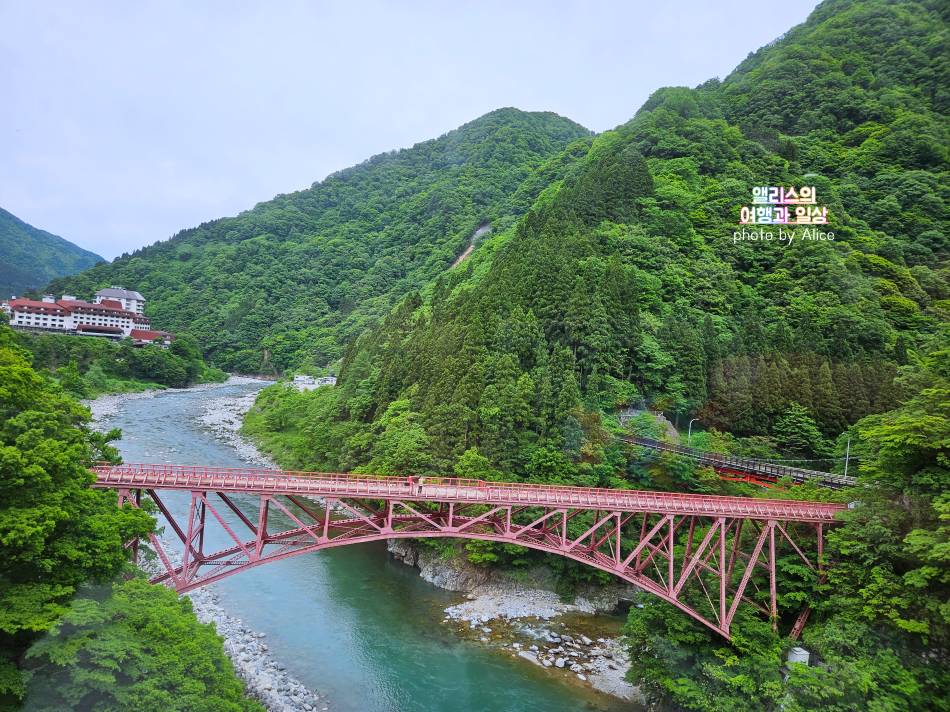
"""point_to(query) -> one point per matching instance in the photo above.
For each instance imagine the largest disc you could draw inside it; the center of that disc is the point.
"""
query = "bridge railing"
(743, 464)
(446, 488)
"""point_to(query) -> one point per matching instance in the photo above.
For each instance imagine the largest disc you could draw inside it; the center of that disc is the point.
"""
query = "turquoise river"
(353, 623)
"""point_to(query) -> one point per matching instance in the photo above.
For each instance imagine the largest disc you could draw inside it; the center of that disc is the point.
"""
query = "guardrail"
(769, 471)
(333, 484)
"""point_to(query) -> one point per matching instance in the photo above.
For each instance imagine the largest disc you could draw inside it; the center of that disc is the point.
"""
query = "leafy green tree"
(92, 366)
(472, 465)
(886, 628)
(402, 446)
(608, 190)
(549, 465)
(137, 648)
(880, 627)
(796, 432)
(132, 647)
(71, 380)
(678, 661)
(55, 531)
(828, 408)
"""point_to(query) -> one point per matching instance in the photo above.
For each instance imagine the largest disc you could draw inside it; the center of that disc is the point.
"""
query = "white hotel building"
(104, 317)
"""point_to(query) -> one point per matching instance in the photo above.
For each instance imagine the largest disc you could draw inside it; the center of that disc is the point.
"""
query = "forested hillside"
(286, 283)
(624, 284)
(624, 281)
(30, 257)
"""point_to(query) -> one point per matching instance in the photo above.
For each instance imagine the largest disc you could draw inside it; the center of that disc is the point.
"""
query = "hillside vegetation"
(30, 258)
(90, 366)
(288, 282)
(623, 284)
(65, 643)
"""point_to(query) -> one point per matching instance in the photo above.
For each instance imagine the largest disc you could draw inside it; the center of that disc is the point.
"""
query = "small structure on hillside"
(308, 383)
(144, 337)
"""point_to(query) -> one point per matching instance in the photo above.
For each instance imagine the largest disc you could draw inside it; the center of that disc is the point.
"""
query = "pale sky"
(124, 122)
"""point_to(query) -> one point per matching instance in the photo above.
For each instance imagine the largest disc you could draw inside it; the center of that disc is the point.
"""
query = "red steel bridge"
(744, 469)
(705, 555)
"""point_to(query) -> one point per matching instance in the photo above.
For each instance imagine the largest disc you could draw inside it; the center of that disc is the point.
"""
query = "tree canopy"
(623, 285)
(288, 282)
(62, 544)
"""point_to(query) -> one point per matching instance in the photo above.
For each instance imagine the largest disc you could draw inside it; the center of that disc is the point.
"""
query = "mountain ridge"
(31, 257)
(624, 283)
(346, 248)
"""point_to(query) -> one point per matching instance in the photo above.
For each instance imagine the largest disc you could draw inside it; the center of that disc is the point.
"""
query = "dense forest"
(287, 283)
(79, 629)
(880, 628)
(625, 284)
(30, 257)
(90, 366)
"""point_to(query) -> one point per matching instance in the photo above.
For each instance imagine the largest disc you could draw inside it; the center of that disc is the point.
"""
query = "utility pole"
(689, 433)
(847, 455)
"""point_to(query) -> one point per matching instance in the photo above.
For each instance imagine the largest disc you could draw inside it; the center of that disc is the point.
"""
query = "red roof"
(71, 304)
(14, 303)
(23, 302)
(148, 334)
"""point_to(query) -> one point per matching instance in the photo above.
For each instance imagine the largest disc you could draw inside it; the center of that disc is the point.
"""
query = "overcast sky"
(124, 122)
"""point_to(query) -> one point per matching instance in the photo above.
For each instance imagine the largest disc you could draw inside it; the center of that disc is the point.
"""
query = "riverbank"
(536, 624)
(521, 619)
(223, 416)
(533, 622)
(265, 678)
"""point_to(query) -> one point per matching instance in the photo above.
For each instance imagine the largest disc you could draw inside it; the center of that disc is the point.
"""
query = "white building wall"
(29, 317)
(41, 321)
(133, 305)
(123, 322)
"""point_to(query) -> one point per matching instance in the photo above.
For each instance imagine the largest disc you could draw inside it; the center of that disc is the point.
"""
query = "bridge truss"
(705, 555)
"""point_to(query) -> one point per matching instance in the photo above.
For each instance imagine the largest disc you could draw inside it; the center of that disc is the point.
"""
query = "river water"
(351, 622)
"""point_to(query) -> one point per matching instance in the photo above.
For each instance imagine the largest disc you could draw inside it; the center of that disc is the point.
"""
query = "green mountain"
(289, 281)
(626, 280)
(630, 281)
(30, 258)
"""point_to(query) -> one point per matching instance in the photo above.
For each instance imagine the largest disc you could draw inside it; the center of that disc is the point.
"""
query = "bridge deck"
(335, 485)
(768, 471)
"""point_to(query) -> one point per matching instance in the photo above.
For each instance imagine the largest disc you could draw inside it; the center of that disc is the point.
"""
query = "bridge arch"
(641, 583)
(696, 552)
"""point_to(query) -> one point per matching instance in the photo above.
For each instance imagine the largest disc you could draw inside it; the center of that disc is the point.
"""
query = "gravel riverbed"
(223, 415)
(264, 677)
(532, 623)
